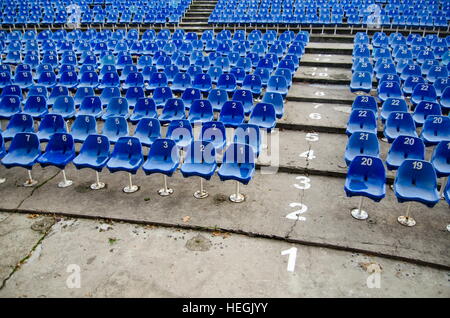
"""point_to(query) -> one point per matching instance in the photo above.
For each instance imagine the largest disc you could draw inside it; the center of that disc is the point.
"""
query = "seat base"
(237, 197)
(165, 192)
(98, 185)
(201, 194)
(359, 214)
(130, 189)
(30, 183)
(65, 183)
(406, 220)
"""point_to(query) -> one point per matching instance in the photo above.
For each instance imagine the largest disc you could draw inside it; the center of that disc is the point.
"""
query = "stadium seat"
(190, 95)
(94, 154)
(56, 92)
(64, 106)
(389, 89)
(2, 154)
(180, 131)
(366, 177)
(148, 130)
(423, 92)
(263, 115)
(126, 156)
(214, 132)
(83, 126)
(9, 105)
(415, 181)
(217, 97)
(248, 134)
(117, 106)
(232, 114)
(425, 109)
(404, 147)
(59, 152)
(181, 81)
(91, 105)
(365, 103)
(238, 164)
(361, 120)
(162, 158)
(81, 93)
(361, 82)
(445, 98)
(199, 161)
(399, 123)
(174, 109)
(276, 100)
(392, 105)
(410, 83)
(115, 127)
(49, 125)
(440, 159)
(361, 144)
(109, 93)
(23, 152)
(200, 111)
(435, 129)
(253, 83)
(17, 124)
(145, 107)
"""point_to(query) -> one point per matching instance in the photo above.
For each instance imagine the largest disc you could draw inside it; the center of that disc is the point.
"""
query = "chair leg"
(359, 213)
(97, 185)
(237, 197)
(30, 182)
(165, 191)
(406, 219)
(441, 191)
(130, 188)
(65, 183)
(201, 194)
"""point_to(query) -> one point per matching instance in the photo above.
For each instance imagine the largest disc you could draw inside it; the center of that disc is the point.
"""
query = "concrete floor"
(68, 257)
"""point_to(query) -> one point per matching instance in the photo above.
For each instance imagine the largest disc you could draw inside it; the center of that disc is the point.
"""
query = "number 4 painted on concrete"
(292, 252)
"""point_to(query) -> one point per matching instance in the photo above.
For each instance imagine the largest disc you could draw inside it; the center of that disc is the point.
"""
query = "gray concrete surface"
(329, 75)
(320, 93)
(88, 258)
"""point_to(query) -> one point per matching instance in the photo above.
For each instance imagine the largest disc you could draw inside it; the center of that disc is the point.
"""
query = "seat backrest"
(437, 126)
(365, 102)
(179, 129)
(64, 104)
(416, 173)
(84, 123)
(62, 143)
(128, 148)
(232, 108)
(150, 127)
(201, 152)
(367, 168)
(240, 154)
(248, 134)
(408, 147)
(164, 149)
(115, 125)
(25, 143)
(53, 123)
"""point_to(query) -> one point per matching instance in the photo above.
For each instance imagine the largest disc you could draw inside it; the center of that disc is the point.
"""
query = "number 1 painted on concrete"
(292, 252)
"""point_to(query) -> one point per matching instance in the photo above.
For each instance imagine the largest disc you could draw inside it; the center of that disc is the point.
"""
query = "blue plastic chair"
(18, 123)
(435, 129)
(174, 109)
(23, 152)
(392, 105)
(361, 82)
(180, 131)
(115, 127)
(81, 93)
(83, 126)
(23, 79)
(201, 111)
(109, 93)
(365, 103)
(163, 158)
(425, 109)
(404, 147)
(445, 98)
(389, 89)
(200, 161)
(415, 181)
(117, 106)
(263, 116)
(109, 79)
(214, 132)
(423, 92)
(9, 105)
(399, 123)
(56, 92)
(148, 130)
(161, 95)
(244, 96)
(227, 82)
(64, 106)
(238, 164)
(59, 152)
(361, 144)
(361, 120)
(126, 156)
(145, 107)
(277, 84)
(440, 160)
(410, 83)
(276, 100)
(232, 113)
(91, 105)
(190, 95)
(248, 134)
(181, 81)
(49, 125)
(217, 97)
(366, 177)
(253, 83)
(157, 80)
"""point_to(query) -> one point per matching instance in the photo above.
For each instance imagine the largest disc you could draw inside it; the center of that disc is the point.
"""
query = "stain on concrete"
(43, 225)
(198, 243)
(220, 198)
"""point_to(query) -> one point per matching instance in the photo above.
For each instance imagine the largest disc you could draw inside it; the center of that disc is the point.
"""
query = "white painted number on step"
(296, 214)
(319, 93)
(292, 252)
(308, 155)
(305, 183)
(312, 136)
(315, 116)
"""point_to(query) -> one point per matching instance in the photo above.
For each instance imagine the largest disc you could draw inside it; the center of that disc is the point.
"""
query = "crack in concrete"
(23, 260)
(35, 188)
(302, 194)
